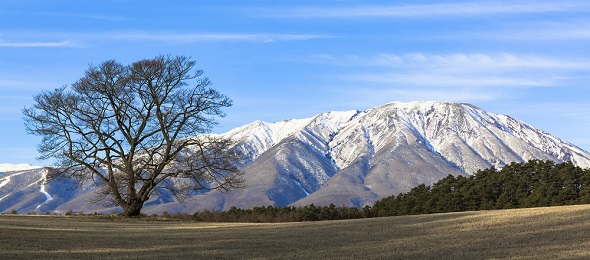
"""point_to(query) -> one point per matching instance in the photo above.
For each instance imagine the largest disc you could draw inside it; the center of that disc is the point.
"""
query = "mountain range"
(348, 158)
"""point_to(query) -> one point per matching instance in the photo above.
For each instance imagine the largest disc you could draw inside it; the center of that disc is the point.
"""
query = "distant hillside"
(348, 158)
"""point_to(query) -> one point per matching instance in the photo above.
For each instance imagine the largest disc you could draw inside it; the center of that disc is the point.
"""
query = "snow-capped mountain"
(347, 158)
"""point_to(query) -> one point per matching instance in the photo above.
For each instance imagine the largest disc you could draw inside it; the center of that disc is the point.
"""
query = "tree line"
(535, 183)
(282, 214)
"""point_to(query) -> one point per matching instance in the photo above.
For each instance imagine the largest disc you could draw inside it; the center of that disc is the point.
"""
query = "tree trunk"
(133, 209)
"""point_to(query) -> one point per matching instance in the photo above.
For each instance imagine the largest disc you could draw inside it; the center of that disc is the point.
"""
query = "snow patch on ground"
(48, 196)
(4, 181)
(300, 186)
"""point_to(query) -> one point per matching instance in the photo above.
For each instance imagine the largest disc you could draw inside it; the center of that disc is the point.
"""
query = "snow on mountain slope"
(255, 138)
(349, 158)
(390, 149)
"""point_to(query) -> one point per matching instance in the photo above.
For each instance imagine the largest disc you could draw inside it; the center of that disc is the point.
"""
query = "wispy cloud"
(372, 96)
(430, 10)
(465, 77)
(86, 40)
(459, 69)
(195, 37)
(99, 17)
(74, 16)
(553, 31)
(38, 44)
(442, 80)
(467, 61)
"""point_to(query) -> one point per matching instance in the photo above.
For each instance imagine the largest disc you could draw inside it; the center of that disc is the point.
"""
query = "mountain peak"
(353, 158)
(441, 127)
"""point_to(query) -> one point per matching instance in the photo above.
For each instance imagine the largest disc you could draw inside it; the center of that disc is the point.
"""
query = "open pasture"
(538, 233)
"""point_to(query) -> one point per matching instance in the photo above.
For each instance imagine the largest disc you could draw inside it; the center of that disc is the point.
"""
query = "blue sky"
(294, 59)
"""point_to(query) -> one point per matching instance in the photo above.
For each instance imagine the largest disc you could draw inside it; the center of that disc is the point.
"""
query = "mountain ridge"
(505, 123)
(353, 158)
(365, 134)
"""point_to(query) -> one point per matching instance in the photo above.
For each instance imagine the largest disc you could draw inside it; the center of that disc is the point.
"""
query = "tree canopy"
(135, 129)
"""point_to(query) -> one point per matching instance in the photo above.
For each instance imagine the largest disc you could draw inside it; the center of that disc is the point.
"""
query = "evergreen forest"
(535, 183)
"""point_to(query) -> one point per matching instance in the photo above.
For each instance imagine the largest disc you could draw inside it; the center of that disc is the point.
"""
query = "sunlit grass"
(555, 232)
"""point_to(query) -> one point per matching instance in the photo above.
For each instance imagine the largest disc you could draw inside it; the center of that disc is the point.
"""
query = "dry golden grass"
(539, 233)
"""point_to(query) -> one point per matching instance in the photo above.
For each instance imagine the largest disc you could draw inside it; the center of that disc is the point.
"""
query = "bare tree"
(135, 129)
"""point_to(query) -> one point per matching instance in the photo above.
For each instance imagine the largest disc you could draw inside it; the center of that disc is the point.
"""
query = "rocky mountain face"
(349, 158)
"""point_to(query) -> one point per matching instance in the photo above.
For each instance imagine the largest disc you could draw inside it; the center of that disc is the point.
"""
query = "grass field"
(539, 233)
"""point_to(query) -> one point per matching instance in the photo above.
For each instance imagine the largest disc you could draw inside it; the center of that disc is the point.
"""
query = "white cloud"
(85, 39)
(461, 60)
(546, 31)
(452, 80)
(39, 44)
(458, 77)
(440, 94)
(366, 96)
(470, 61)
(195, 37)
(459, 69)
(429, 10)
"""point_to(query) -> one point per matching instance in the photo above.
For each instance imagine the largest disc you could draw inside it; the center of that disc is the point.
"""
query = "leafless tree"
(136, 129)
